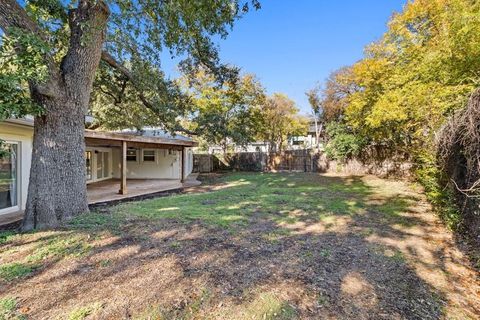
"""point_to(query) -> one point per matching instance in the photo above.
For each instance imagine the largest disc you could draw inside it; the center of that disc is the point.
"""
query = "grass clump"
(6, 236)
(269, 306)
(60, 246)
(83, 312)
(442, 198)
(96, 221)
(16, 270)
(49, 246)
(9, 309)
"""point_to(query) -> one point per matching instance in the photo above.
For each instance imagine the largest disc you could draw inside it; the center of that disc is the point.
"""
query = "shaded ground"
(247, 246)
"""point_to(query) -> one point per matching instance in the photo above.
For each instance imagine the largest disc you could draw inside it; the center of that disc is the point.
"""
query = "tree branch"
(107, 58)
(13, 16)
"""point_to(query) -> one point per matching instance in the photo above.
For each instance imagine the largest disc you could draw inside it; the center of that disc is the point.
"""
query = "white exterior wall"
(165, 166)
(188, 164)
(23, 135)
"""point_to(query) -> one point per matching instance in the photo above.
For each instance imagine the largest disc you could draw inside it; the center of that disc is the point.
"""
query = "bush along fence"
(306, 160)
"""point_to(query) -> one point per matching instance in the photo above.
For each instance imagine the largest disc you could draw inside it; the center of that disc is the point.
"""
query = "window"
(149, 155)
(172, 152)
(132, 155)
(9, 175)
(88, 164)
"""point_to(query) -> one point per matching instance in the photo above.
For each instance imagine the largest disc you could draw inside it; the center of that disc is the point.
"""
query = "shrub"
(343, 144)
(434, 181)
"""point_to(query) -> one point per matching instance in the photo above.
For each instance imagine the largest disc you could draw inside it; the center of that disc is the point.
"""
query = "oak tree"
(50, 55)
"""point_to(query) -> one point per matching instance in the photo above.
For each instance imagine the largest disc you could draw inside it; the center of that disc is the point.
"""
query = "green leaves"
(224, 114)
(343, 144)
(21, 61)
(278, 119)
(408, 84)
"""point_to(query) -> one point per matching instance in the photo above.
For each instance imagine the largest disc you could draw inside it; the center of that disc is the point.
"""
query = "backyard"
(247, 246)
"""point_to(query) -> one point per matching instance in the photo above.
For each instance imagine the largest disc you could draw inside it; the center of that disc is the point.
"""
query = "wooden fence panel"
(294, 160)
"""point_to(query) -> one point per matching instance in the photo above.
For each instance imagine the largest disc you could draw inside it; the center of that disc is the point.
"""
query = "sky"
(293, 45)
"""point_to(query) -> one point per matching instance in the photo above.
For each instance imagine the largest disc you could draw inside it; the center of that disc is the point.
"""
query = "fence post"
(290, 158)
(304, 160)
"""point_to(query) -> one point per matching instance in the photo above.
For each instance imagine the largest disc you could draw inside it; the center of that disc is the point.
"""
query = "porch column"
(123, 168)
(182, 166)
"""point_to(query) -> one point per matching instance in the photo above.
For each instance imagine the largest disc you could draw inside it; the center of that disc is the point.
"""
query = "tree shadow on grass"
(307, 246)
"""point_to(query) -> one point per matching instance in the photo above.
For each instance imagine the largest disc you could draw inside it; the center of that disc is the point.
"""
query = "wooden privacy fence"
(292, 160)
(299, 161)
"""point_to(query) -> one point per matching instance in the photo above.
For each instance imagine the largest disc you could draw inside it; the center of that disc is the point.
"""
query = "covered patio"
(128, 170)
(107, 191)
(156, 164)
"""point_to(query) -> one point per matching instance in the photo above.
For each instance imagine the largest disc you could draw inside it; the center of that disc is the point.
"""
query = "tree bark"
(57, 190)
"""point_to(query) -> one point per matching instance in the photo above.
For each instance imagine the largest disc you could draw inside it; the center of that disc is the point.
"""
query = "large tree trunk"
(57, 189)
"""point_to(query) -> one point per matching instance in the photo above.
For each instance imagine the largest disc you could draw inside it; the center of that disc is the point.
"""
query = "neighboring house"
(308, 141)
(118, 164)
(257, 146)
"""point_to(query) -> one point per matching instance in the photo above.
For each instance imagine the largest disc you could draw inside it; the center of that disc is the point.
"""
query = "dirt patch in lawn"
(247, 246)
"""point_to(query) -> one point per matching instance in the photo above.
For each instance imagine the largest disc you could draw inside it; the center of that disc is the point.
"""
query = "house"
(308, 141)
(256, 146)
(119, 165)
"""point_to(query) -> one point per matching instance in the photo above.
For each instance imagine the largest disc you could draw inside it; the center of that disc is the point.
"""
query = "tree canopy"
(137, 35)
(52, 51)
(223, 114)
(406, 98)
(278, 120)
(409, 82)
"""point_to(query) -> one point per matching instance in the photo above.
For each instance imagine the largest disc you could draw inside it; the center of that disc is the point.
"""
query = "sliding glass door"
(9, 176)
(98, 164)
(103, 164)
(88, 164)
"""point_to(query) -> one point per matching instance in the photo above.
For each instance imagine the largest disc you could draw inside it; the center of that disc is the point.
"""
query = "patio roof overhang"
(115, 139)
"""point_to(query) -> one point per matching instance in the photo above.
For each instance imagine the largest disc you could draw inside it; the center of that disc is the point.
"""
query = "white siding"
(188, 164)
(165, 166)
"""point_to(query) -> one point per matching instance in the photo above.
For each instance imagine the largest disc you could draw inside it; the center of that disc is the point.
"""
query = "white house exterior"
(109, 155)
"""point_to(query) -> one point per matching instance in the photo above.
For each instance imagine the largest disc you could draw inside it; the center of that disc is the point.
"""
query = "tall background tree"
(278, 119)
(223, 115)
(50, 56)
(315, 104)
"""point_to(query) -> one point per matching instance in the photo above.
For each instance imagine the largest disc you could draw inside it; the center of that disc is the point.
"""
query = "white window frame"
(154, 156)
(136, 155)
(95, 153)
(19, 179)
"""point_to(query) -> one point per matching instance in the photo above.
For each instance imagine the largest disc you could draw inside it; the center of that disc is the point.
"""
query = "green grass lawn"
(239, 196)
(243, 246)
